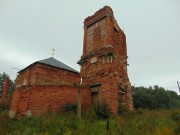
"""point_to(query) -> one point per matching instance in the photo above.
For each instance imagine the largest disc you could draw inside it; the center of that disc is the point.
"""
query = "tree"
(155, 98)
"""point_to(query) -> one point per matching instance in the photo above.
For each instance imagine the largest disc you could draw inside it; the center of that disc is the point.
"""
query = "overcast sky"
(29, 29)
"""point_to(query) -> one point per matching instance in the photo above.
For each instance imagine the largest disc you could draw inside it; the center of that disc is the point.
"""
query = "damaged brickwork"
(104, 60)
(42, 87)
(5, 99)
(49, 84)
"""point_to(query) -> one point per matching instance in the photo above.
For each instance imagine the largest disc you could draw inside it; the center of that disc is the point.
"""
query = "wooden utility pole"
(178, 85)
(79, 103)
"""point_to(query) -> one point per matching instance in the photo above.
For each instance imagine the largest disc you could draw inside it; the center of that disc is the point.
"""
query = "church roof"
(53, 62)
(56, 63)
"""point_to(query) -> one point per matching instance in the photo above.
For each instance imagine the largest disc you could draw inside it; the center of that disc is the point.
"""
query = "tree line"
(155, 98)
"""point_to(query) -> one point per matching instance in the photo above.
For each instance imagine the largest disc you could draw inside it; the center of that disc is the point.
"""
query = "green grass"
(142, 122)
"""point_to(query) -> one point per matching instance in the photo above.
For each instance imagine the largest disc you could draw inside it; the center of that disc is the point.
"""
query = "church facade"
(47, 85)
(50, 84)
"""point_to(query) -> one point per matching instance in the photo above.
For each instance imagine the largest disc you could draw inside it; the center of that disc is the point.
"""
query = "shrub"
(68, 107)
(102, 110)
(122, 108)
(4, 106)
(176, 116)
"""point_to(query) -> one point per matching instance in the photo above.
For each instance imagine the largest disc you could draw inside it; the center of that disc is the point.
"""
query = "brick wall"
(40, 99)
(5, 89)
(40, 74)
(41, 88)
(104, 60)
(5, 99)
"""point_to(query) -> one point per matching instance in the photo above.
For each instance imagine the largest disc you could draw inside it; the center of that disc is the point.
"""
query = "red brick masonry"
(104, 60)
(40, 99)
(5, 97)
(41, 88)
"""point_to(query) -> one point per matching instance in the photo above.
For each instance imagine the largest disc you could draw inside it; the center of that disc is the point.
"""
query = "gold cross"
(53, 50)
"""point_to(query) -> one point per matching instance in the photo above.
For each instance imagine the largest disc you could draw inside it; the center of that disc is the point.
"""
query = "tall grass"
(142, 122)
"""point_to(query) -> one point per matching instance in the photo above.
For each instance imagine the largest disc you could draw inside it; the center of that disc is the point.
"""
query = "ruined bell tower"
(104, 60)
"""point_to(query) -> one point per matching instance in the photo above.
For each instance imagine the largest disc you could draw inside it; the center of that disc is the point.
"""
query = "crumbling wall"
(41, 88)
(40, 99)
(104, 60)
(5, 97)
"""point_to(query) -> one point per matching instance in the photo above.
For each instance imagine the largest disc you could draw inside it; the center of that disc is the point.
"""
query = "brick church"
(50, 84)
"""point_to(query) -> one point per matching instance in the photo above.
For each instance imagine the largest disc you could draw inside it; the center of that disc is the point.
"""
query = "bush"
(102, 110)
(122, 108)
(4, 107)
(68, 107)
(176, 116)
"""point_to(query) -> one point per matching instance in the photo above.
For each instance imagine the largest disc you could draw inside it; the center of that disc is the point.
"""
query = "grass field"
(142, 122)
